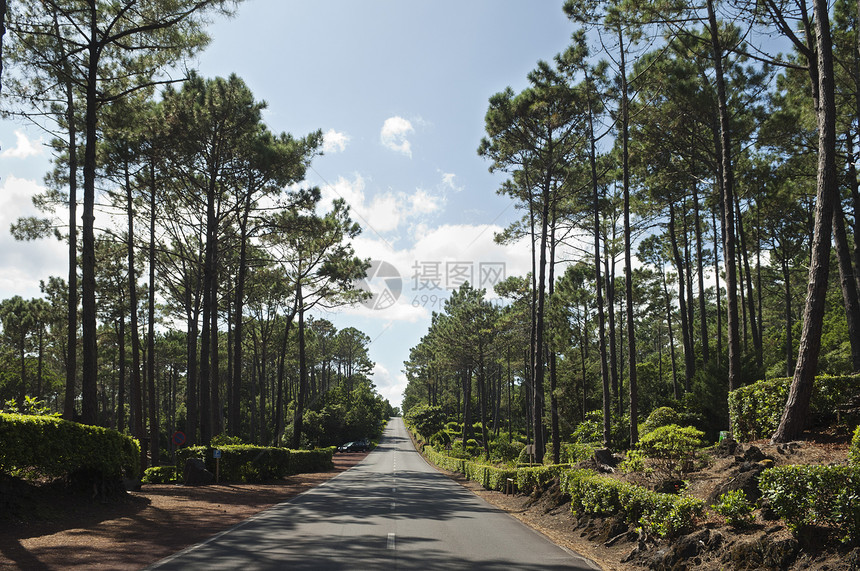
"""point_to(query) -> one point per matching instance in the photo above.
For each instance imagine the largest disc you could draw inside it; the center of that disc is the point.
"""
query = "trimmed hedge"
(160, 475)
(755, 410)
(494, 477)
(245, 463)
(54, 448)
(804, 495)
(533, 477)
(666, 515)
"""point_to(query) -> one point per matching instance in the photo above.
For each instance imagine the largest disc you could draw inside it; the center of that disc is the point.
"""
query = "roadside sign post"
(217, 455)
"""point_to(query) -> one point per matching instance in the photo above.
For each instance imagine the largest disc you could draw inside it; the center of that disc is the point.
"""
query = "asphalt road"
(391, 511)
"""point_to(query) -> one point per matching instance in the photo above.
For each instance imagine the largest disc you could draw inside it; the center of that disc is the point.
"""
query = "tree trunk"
(719, 295)
(72, 310)
(689, 357)
(727, 203)
(120, 413)
(551, 355)
(755, 329)
(154, 448)
(794, 416)
(89, 380)
(191, 392)
(790, 359)
(700, 266)
(303, 373)
(675, 391)
(628, 264)
(538, 403)
(601, 318)
(136, 386)
(849, 285)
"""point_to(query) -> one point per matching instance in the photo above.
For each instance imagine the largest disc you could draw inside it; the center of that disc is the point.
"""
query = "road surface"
(391, 511)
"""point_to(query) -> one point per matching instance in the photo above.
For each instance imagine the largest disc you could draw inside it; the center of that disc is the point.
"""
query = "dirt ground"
(69, 533)
(146, 526)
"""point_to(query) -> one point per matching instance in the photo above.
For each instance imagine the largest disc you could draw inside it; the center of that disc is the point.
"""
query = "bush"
(755, 410)
(674, 446)
(426, 419)
(225, 440)
(590, 430)
(574, 453)
(160, 475)
(472, 447)
(250, 464)
(634, 462)
(440, 440)
(666, 515)
(815, 495)
(503, 450)
(854, 448)
(534, 477)
(736, 508)
(662, 416)
(52, 447)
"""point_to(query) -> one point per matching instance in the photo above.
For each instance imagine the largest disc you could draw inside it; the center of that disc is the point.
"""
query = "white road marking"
(390, 541)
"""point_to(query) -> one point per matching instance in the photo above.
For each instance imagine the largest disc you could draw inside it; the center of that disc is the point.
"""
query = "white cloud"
(389, 386)
(385, 211)
(393, 135)
(334, 142)
(423, 202)
(448, 182)
(23, 264)
(23, 148)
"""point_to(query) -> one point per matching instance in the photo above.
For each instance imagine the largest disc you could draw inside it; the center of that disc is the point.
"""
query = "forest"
(197, 255)
(686, 176)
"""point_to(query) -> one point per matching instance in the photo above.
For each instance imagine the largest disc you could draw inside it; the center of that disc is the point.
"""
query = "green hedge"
(249, 464)
(495, 477)
(52, 447)
(160, 475)
(305, 461)
(666, 515)
(532, 477)
(755, 410)
(815, 495)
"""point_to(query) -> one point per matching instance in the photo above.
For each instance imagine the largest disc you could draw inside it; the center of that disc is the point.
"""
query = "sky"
(400, 89)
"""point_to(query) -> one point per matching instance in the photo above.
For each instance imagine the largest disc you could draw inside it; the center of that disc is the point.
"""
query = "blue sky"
(400, 89)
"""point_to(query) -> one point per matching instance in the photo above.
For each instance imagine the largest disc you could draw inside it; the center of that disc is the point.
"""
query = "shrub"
(755, 410)
(634, 462)
(458, 451)
(440, 440)
(225, 440)
(662, 416)
(247, 463)
(822, 495)
(533, 477)
(736, 508)
(160, 475)
(854, 448)
(52, 447)
(503, 450)
(524, 457)
(673, 445)
(574, 453)
(426, 419)
(666, 515)
(590, 430)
